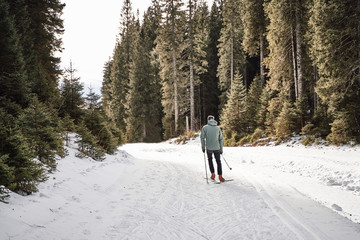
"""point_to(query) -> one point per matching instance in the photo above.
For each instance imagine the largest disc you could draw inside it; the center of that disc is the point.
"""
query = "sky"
(91, 27)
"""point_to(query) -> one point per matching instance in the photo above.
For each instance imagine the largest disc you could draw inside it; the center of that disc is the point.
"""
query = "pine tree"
(209, 80)
(41, 131)
(279, 61)
(107, 90)
(6, 176)
(92, 100)
(232, 58)
(285, 123)
(194, 52)
(20, 172)
(119, 80)
(144, 118)
(87, 144)
(107, 136)
(46, 28)
(263, 112)
(233, 117)
(334, 28)
(201, 43)
(13, 81)
(71, 92)
(168, 42)
(253, 103)
(120, 67)
(254, 21)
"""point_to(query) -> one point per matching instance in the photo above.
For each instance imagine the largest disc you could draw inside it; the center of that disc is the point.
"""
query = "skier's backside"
(212, 140)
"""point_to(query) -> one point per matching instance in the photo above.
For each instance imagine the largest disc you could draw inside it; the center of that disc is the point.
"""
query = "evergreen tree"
(286, 47)
(263, 112)
(92, 100)
(19, 172)
(71, 95)
(107, 90)
(194, 50)
(285, 123)
(233, 117)
(119, 80)
(46, 28)
(254, 21)
(41, 131)
(253, 103)
(279, 60)
(120, 67)
(13, 82)
(209, 80)
(232, 58)
(107, 136)
(170, 35)
(334, 28)
(144, 118)
(87, 144)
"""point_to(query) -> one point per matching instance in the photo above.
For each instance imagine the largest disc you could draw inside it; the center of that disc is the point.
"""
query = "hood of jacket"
(212, 122)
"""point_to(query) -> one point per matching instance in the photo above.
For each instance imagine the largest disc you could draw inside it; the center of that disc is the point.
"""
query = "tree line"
(266, 68)
(41, 104)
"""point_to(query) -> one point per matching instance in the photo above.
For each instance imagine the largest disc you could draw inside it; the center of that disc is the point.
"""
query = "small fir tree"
(71, 94)
(87, 144)
(253, 103)
(233, 117)
(41, 130)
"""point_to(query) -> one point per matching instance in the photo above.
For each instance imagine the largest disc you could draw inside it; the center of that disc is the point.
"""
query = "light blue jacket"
(211, 136)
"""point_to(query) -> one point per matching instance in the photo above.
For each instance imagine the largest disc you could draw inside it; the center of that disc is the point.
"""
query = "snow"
(158, 191)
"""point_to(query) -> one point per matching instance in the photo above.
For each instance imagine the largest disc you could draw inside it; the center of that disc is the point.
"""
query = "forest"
(265, 69)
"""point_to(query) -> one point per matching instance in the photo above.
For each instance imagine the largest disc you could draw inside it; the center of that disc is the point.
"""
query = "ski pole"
(207, 180)
(226, 162)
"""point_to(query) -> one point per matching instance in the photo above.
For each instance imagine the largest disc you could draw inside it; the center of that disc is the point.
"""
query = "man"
(212, 139)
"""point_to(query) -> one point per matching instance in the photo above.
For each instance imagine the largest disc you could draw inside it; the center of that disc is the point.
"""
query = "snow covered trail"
(253, 206)
(158, 191)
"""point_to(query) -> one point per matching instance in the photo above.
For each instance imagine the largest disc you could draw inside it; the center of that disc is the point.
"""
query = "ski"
(227, 180)
(218, 182)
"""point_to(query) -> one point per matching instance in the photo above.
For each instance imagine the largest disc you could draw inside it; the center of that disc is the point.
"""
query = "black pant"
(217, 158)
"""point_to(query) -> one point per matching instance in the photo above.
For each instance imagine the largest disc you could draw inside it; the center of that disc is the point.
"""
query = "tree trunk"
(298, 34)
(232, 57)
(262, 71)
(176, 105)
(294, 82)
(144, 131)
(316, 78)
(192, 100)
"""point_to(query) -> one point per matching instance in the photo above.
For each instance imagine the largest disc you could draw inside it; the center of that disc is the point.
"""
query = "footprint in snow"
(337, 207)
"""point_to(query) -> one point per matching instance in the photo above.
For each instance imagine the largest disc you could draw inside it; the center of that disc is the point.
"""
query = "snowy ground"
(158, 191)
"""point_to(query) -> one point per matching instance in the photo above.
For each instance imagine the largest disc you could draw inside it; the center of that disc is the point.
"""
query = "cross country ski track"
(158, 191)
(246, 208)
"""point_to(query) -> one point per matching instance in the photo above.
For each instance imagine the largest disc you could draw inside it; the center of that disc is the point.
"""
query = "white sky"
(91, 27)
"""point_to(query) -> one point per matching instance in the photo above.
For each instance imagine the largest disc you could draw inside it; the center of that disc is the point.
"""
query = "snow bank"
(327, 174)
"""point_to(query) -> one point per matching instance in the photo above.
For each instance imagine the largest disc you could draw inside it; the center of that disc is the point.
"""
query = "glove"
(221, 151)
(203, 150)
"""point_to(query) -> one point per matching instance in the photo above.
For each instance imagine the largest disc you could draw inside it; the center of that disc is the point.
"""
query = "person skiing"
(212, 140)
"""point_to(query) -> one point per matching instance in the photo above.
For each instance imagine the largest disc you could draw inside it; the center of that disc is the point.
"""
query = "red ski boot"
(221, 179)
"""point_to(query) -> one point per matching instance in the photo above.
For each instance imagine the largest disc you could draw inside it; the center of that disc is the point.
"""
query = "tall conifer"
(232, 57)
(209, 80)
(167, 49)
